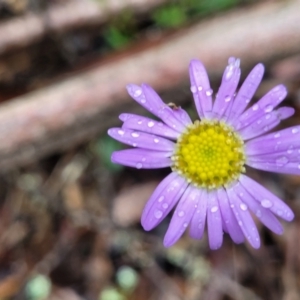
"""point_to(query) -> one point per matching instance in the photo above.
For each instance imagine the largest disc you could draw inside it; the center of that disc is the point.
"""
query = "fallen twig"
(72, 111)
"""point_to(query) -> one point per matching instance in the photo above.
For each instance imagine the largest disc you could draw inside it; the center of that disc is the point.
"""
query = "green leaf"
(205, 7)
(115, 38)
(171, 16)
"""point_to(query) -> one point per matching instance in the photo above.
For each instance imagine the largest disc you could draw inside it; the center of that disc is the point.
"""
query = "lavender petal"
(266, 122)
(198, 221)
(162, 201)
(263, 214)
(148, 125)
(151, 101)
(182, 216)
(182, 116)
(263, 107)
(161, 110)
(279, 166)
(275, 141)
(246, 92)
(142, 159)
(200, 87)
(141, 139)
(266, 198)
(214, 222)
(229, 219)
(227, 89)
(243, 218)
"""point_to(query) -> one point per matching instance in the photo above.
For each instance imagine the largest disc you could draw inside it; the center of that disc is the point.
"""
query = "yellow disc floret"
(210, 154)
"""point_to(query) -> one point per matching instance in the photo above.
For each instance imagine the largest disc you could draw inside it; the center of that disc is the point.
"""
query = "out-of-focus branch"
(70, 112)
(23, 31)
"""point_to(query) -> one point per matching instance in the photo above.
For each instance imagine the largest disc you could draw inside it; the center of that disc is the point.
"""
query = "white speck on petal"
(268, 108)
(214, 209)
(266, 203)
(181, 213)
(150, 124)
(161, 198)
(276, 135)
(158, 214)
(193, 89)
(135, 134)
(139, 165)
(209, 92)
(137, 93)
(243, 206)
(255, 107)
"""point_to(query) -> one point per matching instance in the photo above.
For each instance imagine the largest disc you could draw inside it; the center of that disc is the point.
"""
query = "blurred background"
(69, 218)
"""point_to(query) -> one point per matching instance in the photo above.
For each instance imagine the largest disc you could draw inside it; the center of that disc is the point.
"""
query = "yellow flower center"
(210, 154)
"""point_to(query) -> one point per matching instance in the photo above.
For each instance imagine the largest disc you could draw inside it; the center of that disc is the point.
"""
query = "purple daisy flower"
(208, 157)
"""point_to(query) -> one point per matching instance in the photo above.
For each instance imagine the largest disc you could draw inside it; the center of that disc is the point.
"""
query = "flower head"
(208, 157)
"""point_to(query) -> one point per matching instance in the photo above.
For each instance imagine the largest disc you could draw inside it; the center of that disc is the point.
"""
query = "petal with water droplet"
(143, 159)
(229, 219)
(171, 188)
(199, 78)
(214, 222)
(148, 125)
(259, 193)
(182, 215)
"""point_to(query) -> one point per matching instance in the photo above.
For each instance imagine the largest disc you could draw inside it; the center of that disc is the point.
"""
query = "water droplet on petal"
(200, 88)
(193, 89)
(295, 130)
(137, 93)
(240, 223)
(121, 132)
(185, 225)
(165, 205)
(276, 135)
(135, 134)
(268, 108)
(139, 122)
(209, 92)
(156, 140)
(255, 107)
(139, 165)
(150, 124)
(279, 212)
(227, 98)
(158, 214)
(281, 161)
(134, 144)
(268, 116)
(243, 206)
(181, 213)
(143, 100)
(214, 209)
(161, 198)
(266, 203)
